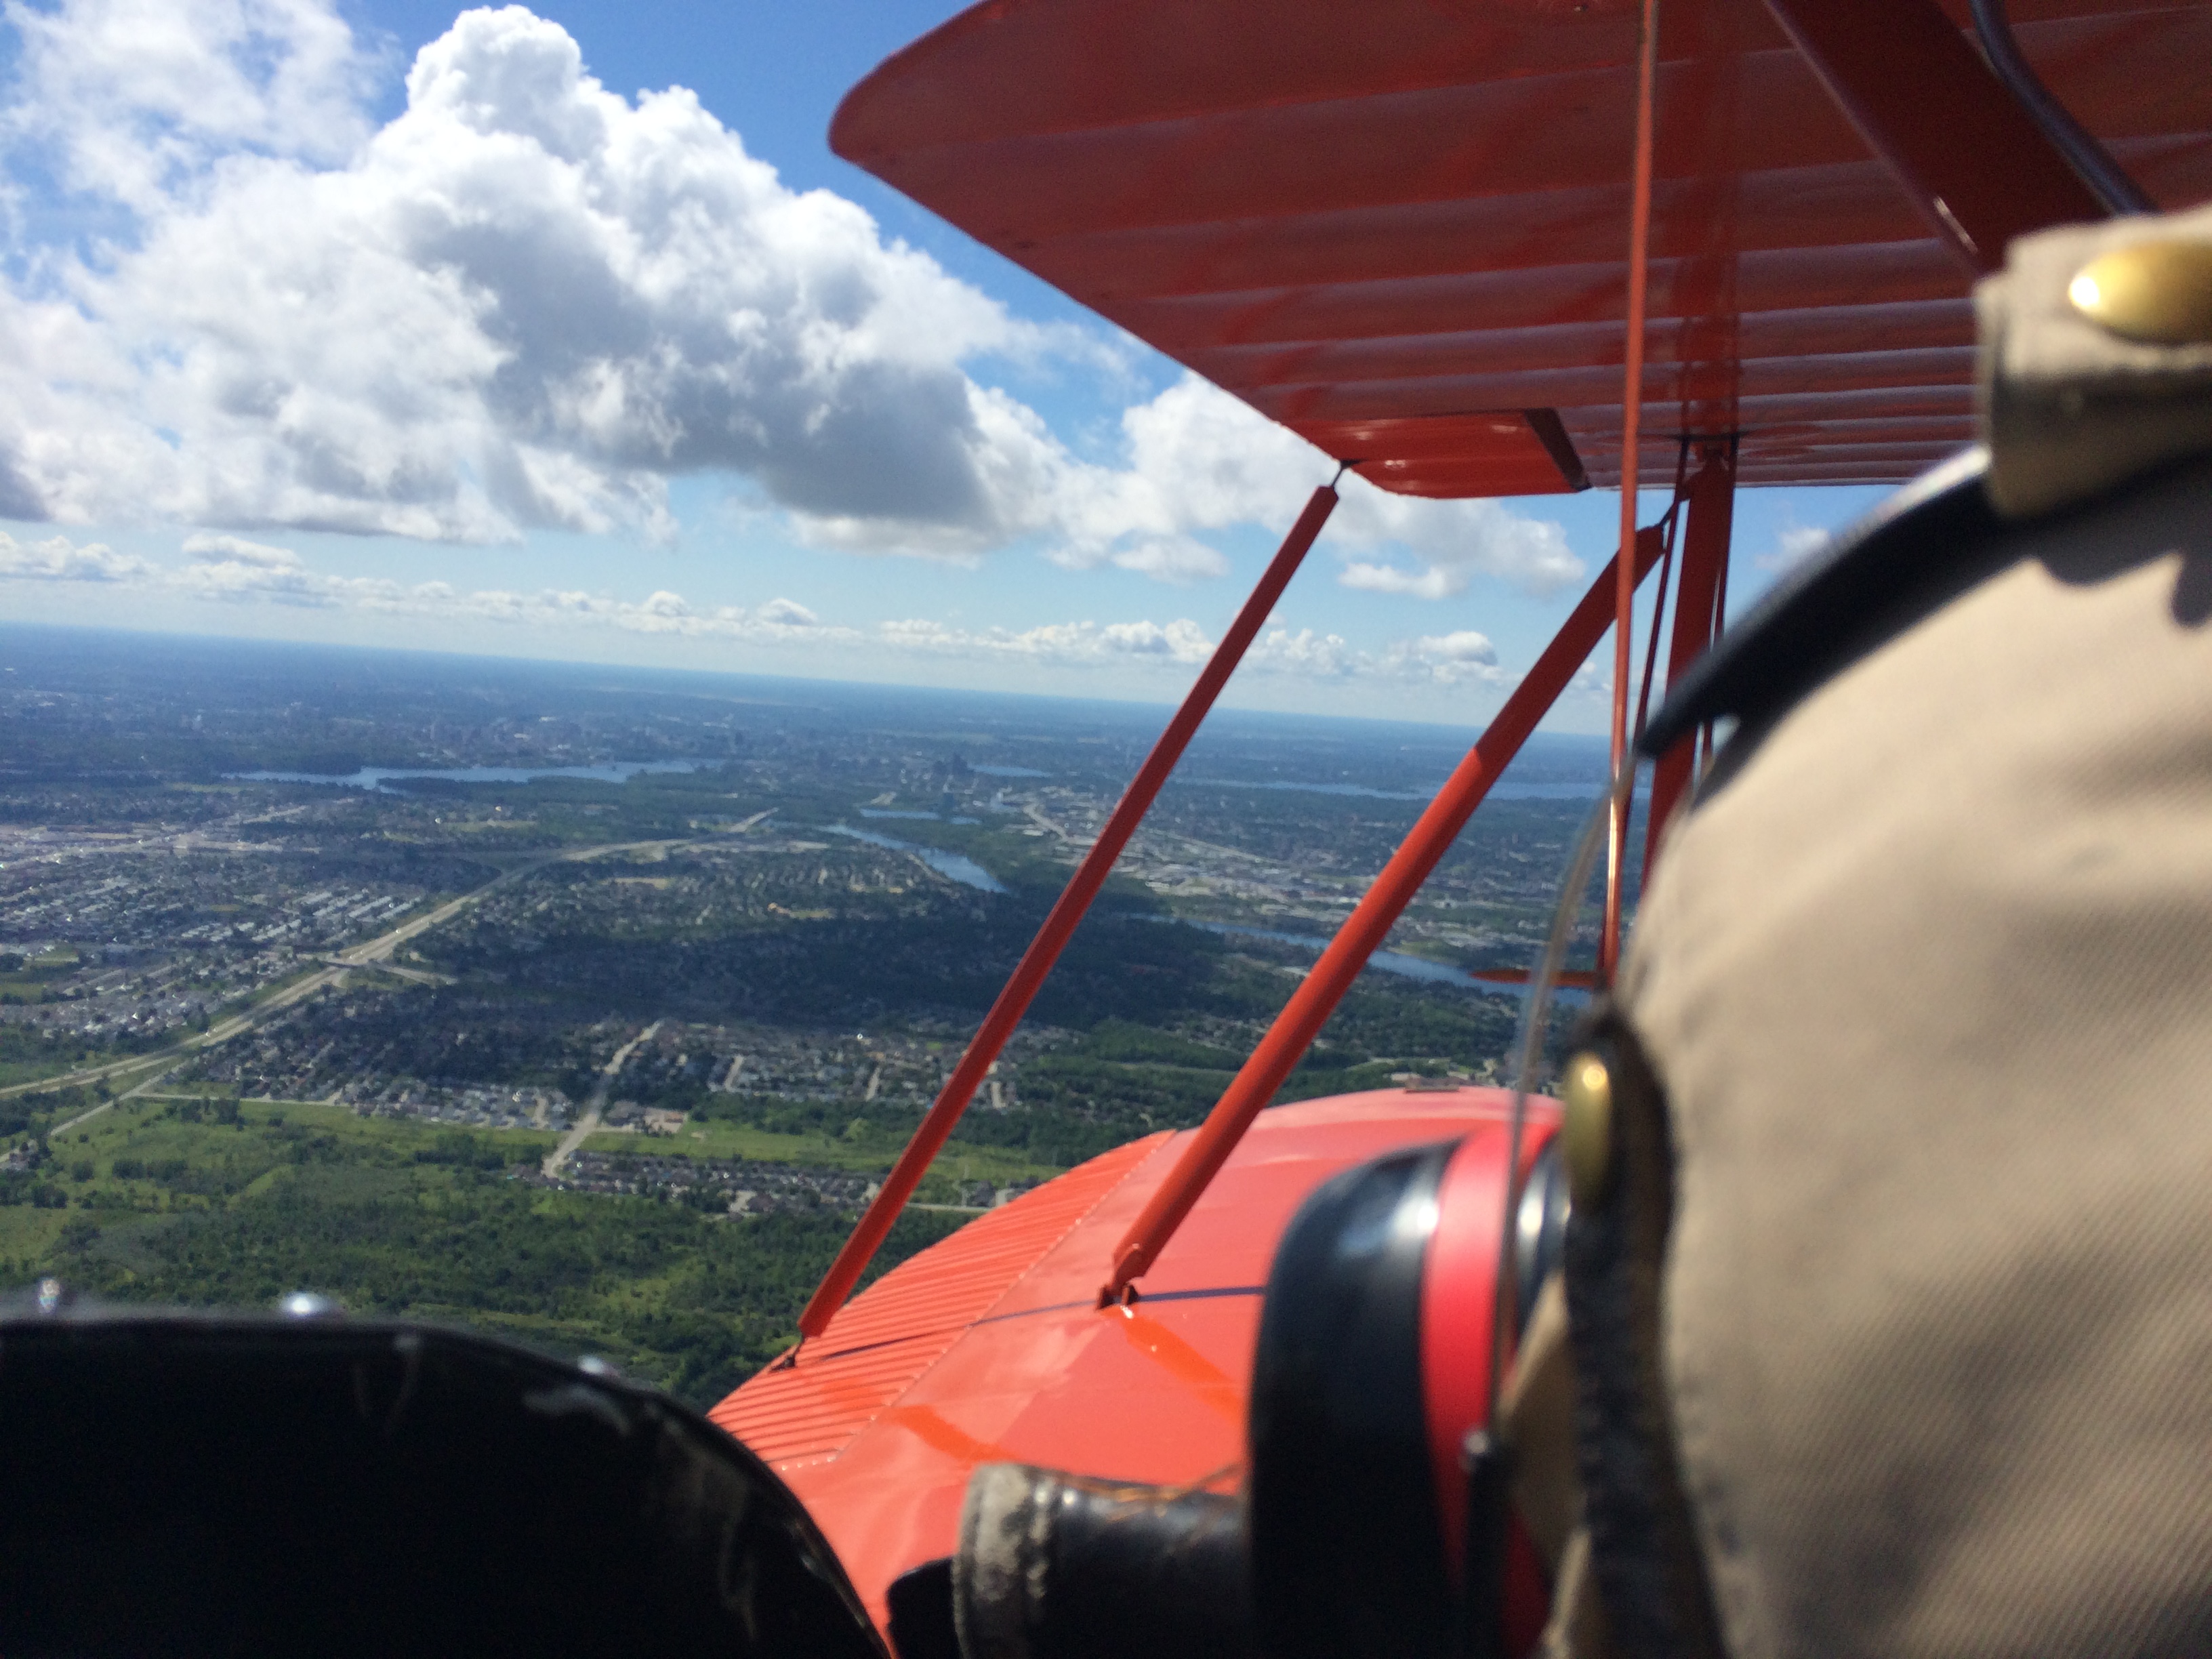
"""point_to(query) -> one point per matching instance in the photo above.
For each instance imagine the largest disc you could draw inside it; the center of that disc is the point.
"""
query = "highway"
(374, 953)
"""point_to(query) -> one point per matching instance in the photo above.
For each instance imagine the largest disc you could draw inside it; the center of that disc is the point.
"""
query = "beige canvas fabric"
(1929, 985)
(2070, 408)
(1538, 1410)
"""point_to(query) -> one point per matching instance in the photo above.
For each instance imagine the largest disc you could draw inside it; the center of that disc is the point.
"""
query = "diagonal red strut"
(1317, 995)
(1044, 949)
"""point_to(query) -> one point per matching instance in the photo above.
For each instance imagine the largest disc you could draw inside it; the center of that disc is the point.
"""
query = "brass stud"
(2158, 293)
(1586, 1129)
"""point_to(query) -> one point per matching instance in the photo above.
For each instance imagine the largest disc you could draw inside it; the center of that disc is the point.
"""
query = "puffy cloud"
(1299, 653)
(1306, 653)
(1430, 582)
(138, 97)
(228, 567)
(528, 301)
(1450, 544)
(232, 570)
(1208, 461)
(1463, 658)
(1201, 460)
(59, 560)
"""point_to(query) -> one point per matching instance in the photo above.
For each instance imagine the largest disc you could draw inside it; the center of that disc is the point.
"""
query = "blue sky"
(383, 323)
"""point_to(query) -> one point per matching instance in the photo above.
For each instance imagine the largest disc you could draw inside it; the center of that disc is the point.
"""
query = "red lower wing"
(990, 1346)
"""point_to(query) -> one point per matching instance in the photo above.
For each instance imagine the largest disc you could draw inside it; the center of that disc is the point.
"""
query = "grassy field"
(711, 1139)
(24, 980)
(961, 1162)
(212, 1202)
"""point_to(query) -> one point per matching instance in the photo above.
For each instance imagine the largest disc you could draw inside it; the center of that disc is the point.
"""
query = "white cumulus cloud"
(1201, 459)
(525, 301)
(1304, 653)
(1463, 658)
(528, 301)
(137, 98)
(57, 559)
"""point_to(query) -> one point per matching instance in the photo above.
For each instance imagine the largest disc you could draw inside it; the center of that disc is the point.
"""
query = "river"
(372, 777)
(954, 866)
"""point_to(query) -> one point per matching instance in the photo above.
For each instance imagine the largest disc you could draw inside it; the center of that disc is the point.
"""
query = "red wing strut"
(1059, 925)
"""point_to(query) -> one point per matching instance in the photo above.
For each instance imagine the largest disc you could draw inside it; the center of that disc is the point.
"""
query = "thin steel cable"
(1631, 457)
(2094, 165)
(1720, 619)
(1535, 1014)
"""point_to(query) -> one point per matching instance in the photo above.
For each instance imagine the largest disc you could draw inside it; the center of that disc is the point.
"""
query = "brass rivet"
(2159, 293)
(1586, 1129)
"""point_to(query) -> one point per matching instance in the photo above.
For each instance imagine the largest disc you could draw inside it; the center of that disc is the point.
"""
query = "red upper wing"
(1396, 227)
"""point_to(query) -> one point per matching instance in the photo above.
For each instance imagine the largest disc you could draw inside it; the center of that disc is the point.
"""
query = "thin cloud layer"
(526, 301)
(1793, 545)
(231, 570)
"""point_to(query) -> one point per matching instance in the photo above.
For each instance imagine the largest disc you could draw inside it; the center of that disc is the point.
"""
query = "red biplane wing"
(991, 1347)
(1401, 229)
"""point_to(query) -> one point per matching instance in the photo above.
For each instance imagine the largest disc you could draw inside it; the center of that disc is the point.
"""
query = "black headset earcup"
(1347, 1561)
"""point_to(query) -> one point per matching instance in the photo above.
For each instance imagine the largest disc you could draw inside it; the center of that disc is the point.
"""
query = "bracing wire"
(2094, 165)
(1535, 1014)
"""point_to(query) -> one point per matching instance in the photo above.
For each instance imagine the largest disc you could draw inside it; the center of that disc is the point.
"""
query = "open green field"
(24, 979)
(961, 1162)
(710, 1138)
(212, 1201)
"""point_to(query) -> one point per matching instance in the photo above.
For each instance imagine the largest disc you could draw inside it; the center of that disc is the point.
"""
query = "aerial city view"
(590, 1005)
(1105, 828)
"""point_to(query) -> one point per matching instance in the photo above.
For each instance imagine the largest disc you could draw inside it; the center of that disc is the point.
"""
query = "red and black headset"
(1376, 1522)
(1378, 1516)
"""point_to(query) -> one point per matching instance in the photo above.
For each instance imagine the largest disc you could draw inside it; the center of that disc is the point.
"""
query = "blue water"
(1390, 961)
(1503, 790)
(372, 777)
(887, 812)
(1394, 962)
(1009, 771)
(951, 865)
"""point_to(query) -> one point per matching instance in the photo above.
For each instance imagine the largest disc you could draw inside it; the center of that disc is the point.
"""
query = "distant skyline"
(560, 334)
